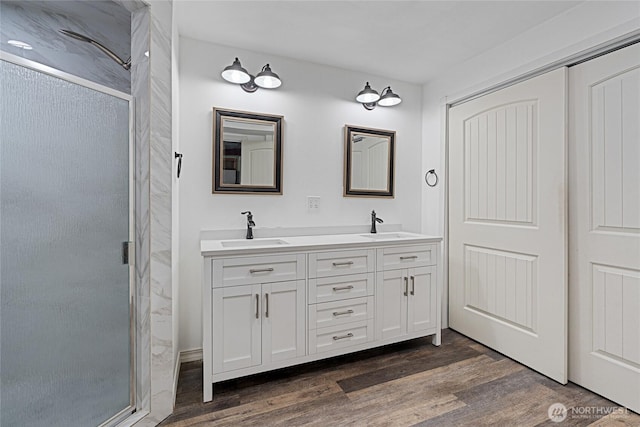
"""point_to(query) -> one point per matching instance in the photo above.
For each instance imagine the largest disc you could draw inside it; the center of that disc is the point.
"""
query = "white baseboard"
(190, 355)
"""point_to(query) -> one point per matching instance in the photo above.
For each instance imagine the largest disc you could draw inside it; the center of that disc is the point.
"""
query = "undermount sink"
(253, 243)
(388, 236)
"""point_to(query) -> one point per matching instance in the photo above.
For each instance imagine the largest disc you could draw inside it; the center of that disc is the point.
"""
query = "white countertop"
(211, 248)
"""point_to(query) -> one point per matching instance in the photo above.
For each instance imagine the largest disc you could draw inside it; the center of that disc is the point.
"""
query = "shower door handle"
(178, 156)
(127, 253)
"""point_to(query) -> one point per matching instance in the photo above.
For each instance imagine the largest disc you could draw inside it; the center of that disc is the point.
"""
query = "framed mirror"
(368, 162)
(247, 152)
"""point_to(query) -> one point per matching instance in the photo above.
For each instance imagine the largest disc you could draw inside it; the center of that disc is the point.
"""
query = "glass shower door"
(65, 300)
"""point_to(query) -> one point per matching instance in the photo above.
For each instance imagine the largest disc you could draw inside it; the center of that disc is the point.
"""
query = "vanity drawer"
(340, 312)
(341, 336)
(327, 289)
(327, 264)
(263, 269)
(392, 258)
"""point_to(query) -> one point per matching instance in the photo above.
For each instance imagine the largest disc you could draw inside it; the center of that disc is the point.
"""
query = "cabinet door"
(421, 308)
(283, 320)
(391, 304)
(236, 328)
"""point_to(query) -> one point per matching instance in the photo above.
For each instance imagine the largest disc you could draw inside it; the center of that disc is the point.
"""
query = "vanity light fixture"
(388, 98)
(267, 79)
(369, 97)
(236, 74)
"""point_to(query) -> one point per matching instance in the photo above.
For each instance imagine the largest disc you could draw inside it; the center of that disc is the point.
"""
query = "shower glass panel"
(65, 340)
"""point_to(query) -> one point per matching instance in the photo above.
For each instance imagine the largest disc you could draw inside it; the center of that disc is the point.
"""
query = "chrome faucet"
(375, 219)
(250, 224)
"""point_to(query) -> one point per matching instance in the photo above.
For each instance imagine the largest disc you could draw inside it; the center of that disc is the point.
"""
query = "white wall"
(316, 102)
(583, 27)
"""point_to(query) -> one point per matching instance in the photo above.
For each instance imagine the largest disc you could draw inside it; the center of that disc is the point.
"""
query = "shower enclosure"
(66, 287)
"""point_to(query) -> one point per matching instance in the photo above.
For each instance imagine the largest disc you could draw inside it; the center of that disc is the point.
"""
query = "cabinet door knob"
(413, 285)
(266, 305)
(406, 286)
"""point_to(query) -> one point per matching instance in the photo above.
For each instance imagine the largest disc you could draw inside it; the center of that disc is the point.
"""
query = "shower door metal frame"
(127, 412)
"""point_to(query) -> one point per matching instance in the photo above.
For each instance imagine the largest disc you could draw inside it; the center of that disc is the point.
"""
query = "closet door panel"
(507, 222)
(604, 226)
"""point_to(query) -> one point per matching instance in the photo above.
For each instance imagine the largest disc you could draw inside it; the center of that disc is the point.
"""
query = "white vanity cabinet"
(255, 313)
(406, 292)
(313, 297)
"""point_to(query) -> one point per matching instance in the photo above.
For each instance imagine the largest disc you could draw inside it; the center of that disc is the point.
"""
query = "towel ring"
(426, 178)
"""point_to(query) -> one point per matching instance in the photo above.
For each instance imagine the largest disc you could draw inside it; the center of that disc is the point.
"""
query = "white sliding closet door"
(604, 226)
(507, 222)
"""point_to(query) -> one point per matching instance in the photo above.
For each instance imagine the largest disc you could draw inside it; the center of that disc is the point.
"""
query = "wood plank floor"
(461, 383)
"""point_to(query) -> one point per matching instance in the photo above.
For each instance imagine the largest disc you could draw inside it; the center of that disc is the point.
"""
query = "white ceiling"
(413, 41)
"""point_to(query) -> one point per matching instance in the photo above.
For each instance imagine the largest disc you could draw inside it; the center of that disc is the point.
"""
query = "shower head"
(124, 64)
(76, 36)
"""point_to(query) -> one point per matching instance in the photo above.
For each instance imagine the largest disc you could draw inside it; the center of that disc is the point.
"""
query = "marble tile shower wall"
(152, 90)
(161, 166)
(37, 23)
(140, 90)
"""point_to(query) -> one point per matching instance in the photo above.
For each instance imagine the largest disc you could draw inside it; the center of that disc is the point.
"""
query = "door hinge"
(128, 253)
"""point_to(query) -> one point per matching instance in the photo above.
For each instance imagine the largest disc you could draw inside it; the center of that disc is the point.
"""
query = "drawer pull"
(402, 258)
(342, 288)
(338, 264)
(406, 286)
(340, 313)
(261, 270)
(413, 285)
(341, 337)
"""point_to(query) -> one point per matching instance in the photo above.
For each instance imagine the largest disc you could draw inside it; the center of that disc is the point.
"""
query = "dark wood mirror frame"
(219, 186)
(349, 190)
